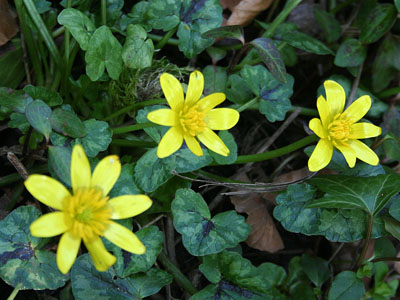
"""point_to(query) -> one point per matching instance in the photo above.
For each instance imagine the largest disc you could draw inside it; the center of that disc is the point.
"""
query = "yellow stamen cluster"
(191, 120)
(339, 129)
(87, 213)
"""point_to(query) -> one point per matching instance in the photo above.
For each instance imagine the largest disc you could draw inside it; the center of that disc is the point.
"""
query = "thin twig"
(355, 86)
(335, 253)
(13, 159)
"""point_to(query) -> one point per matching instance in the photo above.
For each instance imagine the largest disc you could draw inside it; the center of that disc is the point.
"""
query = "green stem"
(9, 179)
(30, 43)
(290, 5)
(305, 111)
(243, 159)
(133, 106)
(15, 291)
(248, 104)
(104, 12)
(59, 31)
(366, 242)
(131, 128)
(133, 144)
(166, 38)
(388, 93)
(180, 278)
(171, 41)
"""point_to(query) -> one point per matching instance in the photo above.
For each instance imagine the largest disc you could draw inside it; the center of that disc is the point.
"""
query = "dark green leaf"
(67, 123)
(163, 14)
(89, 284)
(346, 286)
(215, 79)
(202, 235)
(137, 52)
(78, 24)
(60, 163)
(153, 239)
(104, 52)
(368, 193)
(12, 70)
(380, 20)
(238, 91)
(383, 247)
(271, 57)
(186, 161)
(38, 113)
(351, 53)
(98, 137)
(232, 32)
(22, 260)
(330, 26)
(305, 42)
(125, 184)
(316, 268)
(14, 100)
(216, 54)
(229, 141)
(51, 98)
(138, 15)
(393, 227)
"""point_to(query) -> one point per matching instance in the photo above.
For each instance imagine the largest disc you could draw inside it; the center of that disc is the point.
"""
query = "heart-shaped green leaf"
(38, 113)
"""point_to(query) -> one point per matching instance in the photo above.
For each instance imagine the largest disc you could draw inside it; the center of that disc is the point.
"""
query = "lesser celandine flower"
(339, 129)
(192, 119)
(87, 212)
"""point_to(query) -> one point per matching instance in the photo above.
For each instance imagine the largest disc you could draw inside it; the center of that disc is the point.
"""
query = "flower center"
(87, 213)
(191, 120)
(339, 129)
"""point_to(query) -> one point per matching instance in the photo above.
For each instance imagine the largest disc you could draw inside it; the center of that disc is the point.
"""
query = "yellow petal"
(348, 153)
(129, 206)
(49, 225)
(102, 259)
(124, 238)
(164, 116)
(47, 190)
(213, 142)
(172, 90)
(321, 155)
(170, 142)
(335, 97)
(80, 168)
(323, 111)
(106, 173)
(316, 126)
(193, 145)
(364, 130)
(67, 251)
(358, 108)
(209, 102)
(222, 118)
(364, 153)
(195, 88)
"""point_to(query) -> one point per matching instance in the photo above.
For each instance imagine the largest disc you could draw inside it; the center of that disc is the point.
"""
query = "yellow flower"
(87, 212)
(192, 119)
(338, 128)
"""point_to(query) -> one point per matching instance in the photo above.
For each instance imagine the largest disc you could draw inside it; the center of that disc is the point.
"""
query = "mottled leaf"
(137, 52)
(104, 52)
(21, 259)
(305, 42)
(98, 137)
(215, 79)
(271, 57)
(67, 123)
(201, 234)
(232, 32)
(60, 163)
(346, 286)
(125, 184)
(14, 100)
(38, 113)
(351, 53)
(238, 91)
(51, 98)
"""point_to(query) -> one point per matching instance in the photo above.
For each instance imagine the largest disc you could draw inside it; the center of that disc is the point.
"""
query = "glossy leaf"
(329, 25)
(305, 42)
(238, 91)
(380, 20)
(137, 52)
(98, 137)
(370, 194)
(351, 53)
(346, 286)
(201, 234)
(88, 284)
(125, 184)
(271, 57)
(67, 123)
(51, 98)
(104, 52)
(80, 26)
(215, 79)
(38, 113)
(22, 259)
(60, 163)
(232, 32)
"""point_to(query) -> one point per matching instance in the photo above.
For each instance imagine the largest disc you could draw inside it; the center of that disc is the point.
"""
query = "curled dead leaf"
(244, 11)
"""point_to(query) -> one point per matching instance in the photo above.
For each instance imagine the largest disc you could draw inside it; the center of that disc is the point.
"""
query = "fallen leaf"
(264, 236)
(244, 11)
(8, 26)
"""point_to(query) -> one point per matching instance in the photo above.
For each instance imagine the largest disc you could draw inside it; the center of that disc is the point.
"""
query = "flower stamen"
(191, 120)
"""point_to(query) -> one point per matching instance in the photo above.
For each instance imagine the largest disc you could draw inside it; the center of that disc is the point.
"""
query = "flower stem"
(104, 12)
(133, 106)
(134, 144)
(180, 278)
(248, 104)
(15, 291)
(131, 128)
(166, 38)
(242, 159)
(170, 41)
(366, 242)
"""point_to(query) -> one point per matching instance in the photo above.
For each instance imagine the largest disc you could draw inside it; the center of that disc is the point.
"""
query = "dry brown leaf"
(244, 11)
(8, 26)
(264, 236)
